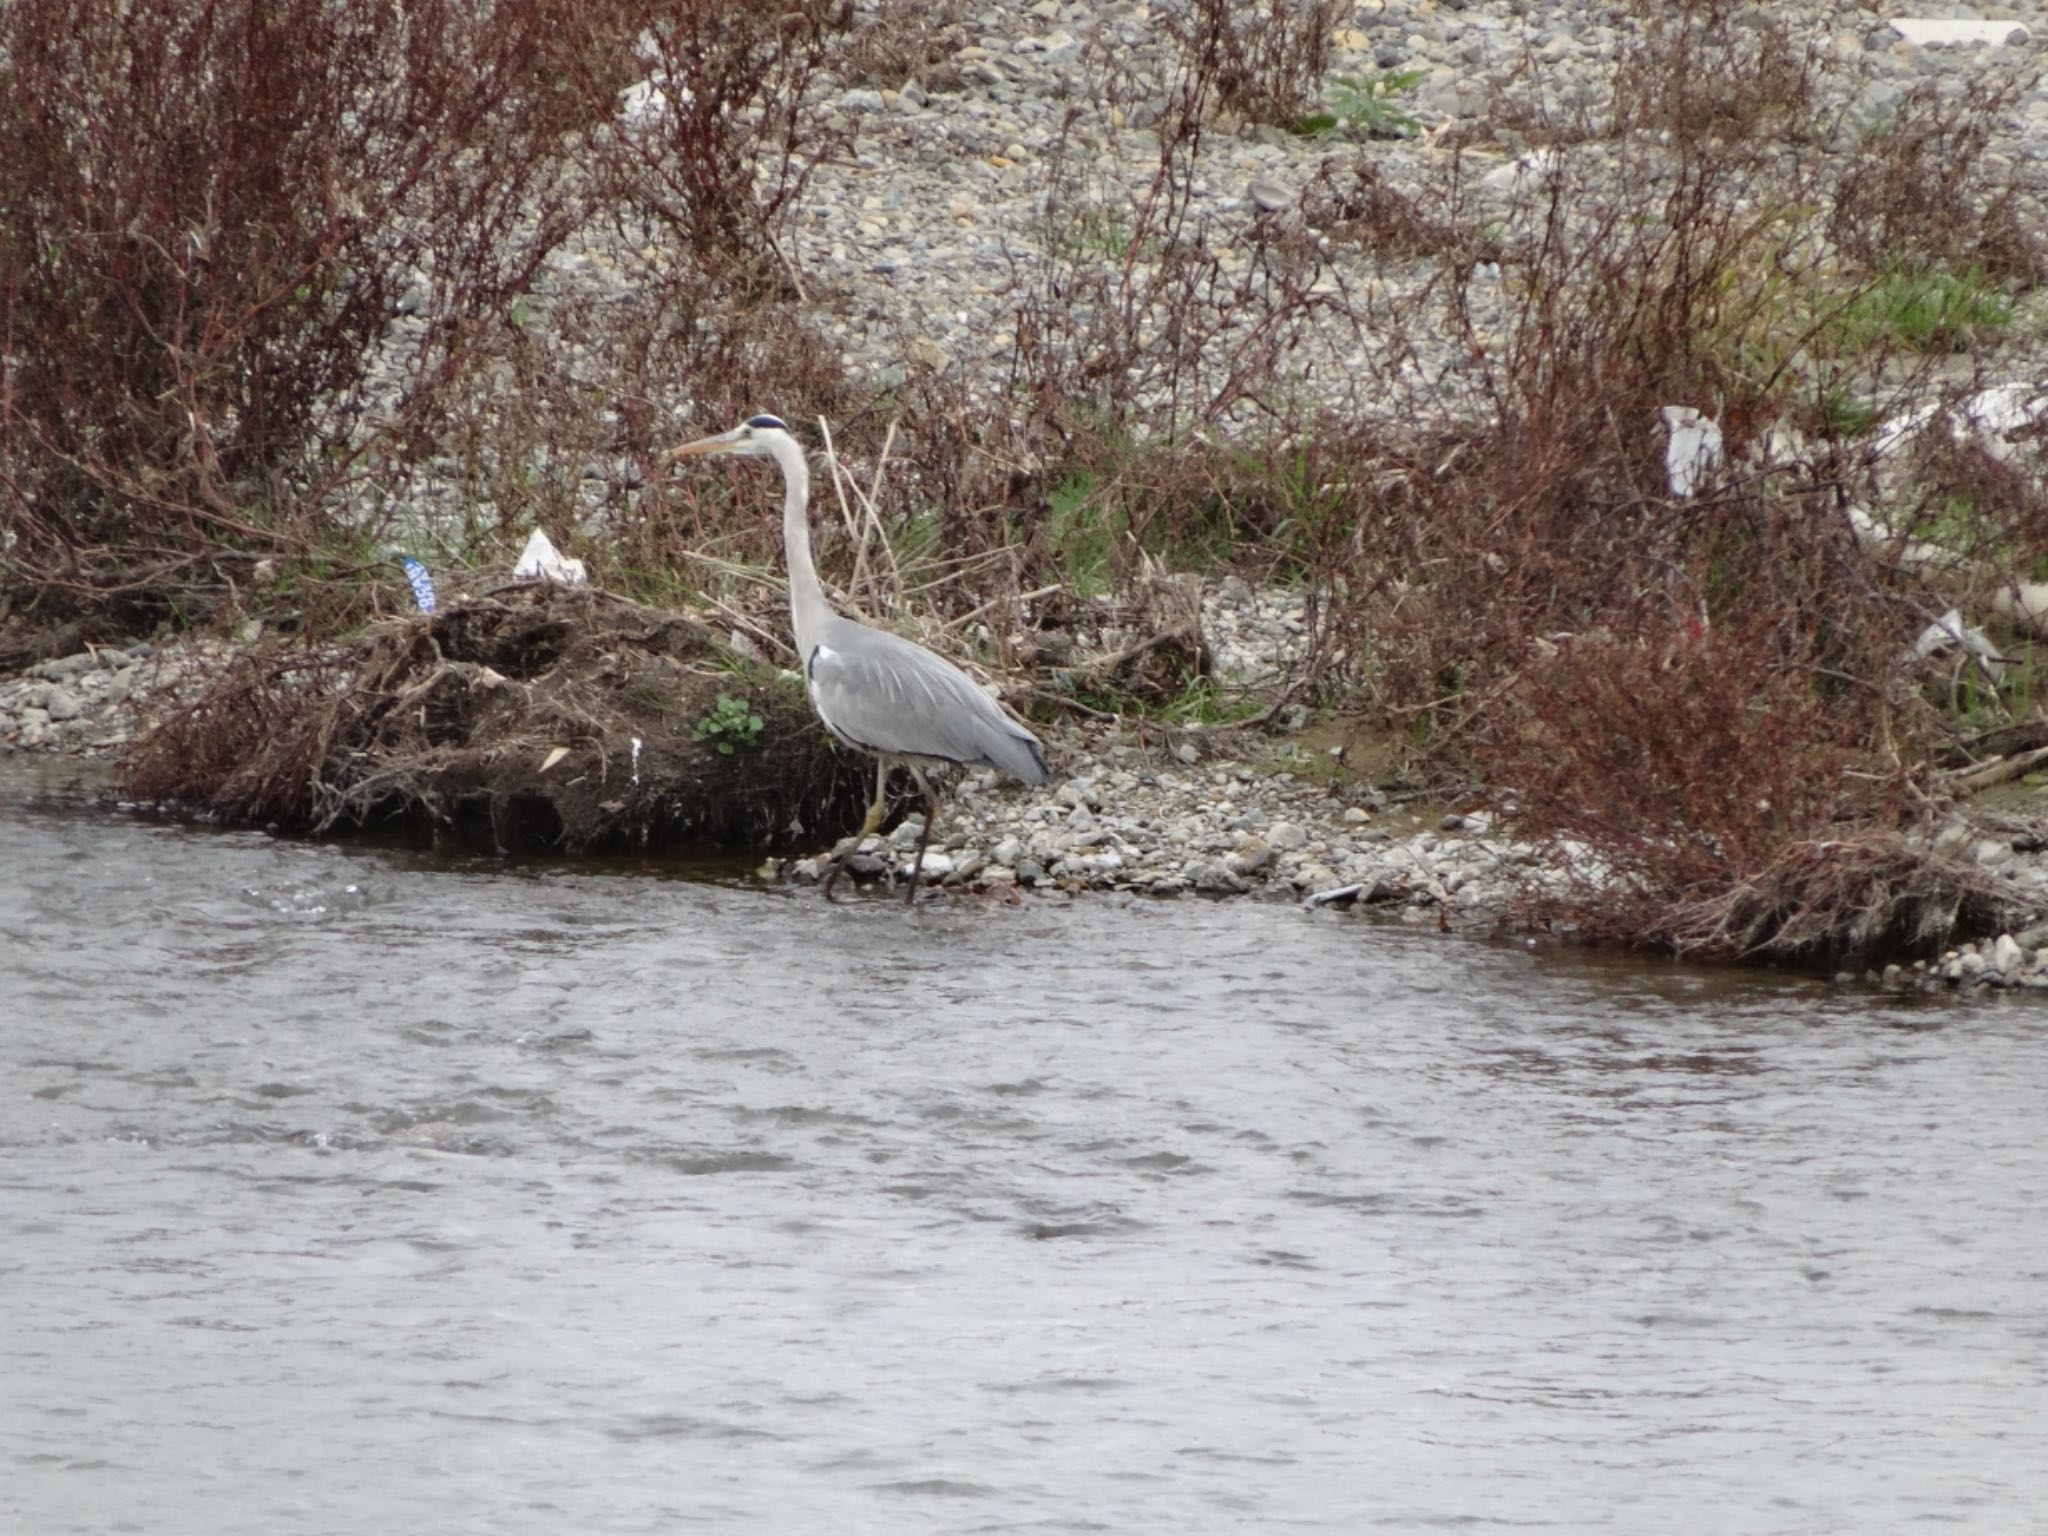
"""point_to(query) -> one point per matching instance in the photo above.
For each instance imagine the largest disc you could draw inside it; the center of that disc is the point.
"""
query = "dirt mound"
(537, 717)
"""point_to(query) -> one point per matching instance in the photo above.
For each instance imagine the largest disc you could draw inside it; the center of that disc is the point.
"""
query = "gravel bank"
(914, 245)
(1232, 815)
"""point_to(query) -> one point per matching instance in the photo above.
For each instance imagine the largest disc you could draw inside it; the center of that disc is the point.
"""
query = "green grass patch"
(1931, 310)
(1083, 527)
(1841, 412)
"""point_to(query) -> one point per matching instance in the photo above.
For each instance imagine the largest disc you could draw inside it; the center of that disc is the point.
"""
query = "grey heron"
(875, 691)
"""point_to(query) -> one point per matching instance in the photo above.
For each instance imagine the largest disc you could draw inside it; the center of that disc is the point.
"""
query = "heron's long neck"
(807, 609)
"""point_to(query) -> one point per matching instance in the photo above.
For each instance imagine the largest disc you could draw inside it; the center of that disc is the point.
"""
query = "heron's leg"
(867, 827)
(931, 814)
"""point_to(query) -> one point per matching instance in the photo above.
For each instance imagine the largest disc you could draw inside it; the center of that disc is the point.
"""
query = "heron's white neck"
(807, 608)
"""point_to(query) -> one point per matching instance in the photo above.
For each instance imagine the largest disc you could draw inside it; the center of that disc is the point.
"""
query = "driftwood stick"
(2000, 770)
(1101, 665)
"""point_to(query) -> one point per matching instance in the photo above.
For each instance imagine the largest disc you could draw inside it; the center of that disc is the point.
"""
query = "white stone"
(1990, 852)
(1268, 195)
(1928, 32)
(1525, 172)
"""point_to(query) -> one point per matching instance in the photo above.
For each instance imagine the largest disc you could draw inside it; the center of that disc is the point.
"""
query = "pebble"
(1253, 859)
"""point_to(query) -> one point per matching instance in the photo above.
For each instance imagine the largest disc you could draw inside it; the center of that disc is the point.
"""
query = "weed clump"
(208, 220)
(1702, 704)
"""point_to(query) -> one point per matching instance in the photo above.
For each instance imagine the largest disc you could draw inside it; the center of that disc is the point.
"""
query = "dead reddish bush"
(714, 146)
(1925, 189)
(1723, 72)
(208, 218)
(1265, 60)
(906, 40)
(1681, 754)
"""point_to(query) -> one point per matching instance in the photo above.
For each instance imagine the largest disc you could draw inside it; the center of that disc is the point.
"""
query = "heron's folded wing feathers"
(884, 693)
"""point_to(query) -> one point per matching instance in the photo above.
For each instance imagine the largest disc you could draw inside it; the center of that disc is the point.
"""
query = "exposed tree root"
(540, 717)
(1847, 903)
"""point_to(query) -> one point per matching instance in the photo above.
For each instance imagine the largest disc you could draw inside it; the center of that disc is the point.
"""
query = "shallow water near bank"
(356, 1188)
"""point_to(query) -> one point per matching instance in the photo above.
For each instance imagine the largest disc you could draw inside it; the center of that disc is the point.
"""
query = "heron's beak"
(725, 442)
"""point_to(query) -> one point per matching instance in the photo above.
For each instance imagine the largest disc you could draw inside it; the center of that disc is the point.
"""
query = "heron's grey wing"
(883, 693)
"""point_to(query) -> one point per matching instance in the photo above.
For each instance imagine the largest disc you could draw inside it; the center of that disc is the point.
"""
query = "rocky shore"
(927, 229)
(1252, 815)
(94, 703)
(914, 245)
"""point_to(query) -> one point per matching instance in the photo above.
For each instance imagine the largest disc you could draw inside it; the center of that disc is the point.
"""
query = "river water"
(355, 1189)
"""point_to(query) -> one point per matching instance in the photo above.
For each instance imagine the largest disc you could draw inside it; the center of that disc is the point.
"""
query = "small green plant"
(1314, 509)
(1924, 310)
(1842, 412)
(732, 723)
(1952, 524)
(1367, 108)
(1081, 529)
(1204, 701)
(1089, 232)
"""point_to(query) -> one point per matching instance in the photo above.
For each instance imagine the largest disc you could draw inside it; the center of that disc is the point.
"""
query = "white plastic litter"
(1692, 450)
(1927, 32)
(1948, 631)
(539, 561)
(1996, 419)
(2002, 414)
(652, 101)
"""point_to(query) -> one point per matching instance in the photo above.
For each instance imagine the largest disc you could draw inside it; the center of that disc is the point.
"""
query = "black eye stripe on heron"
(873, 690)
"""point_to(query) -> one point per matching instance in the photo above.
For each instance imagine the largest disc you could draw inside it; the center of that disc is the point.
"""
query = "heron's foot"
(843, 861)
(831, 879)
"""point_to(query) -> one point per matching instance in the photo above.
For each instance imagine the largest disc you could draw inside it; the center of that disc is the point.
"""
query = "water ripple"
(348, 1186)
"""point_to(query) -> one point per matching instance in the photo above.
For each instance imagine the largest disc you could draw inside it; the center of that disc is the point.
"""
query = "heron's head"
(750, 439)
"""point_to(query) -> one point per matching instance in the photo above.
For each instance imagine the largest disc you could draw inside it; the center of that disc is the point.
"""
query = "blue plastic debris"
(422, 583)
